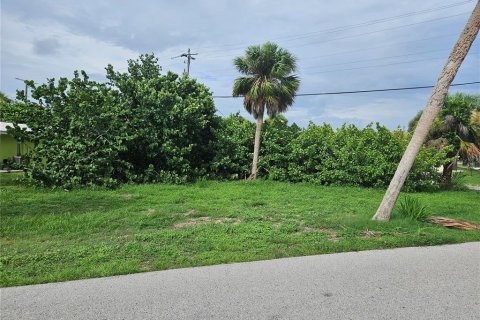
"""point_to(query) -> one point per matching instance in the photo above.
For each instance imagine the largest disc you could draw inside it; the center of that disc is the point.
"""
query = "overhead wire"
(225, 55)
(361, 91)
(351, 26)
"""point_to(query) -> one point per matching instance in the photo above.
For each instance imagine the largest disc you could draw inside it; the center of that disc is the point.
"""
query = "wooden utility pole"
(430, 112)
(189, 57)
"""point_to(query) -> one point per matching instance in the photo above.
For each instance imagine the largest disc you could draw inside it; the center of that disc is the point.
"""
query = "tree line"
(142, 126)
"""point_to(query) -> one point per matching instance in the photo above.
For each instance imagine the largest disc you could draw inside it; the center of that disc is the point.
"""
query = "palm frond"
(242, 65)
(469, 151)
(269, 82)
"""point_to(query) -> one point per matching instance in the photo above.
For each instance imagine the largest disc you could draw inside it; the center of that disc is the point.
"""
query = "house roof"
(4, 125)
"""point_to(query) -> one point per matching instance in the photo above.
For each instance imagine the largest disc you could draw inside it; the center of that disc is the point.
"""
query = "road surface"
(441, 282)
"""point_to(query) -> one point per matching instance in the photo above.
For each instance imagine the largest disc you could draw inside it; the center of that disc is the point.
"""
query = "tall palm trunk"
(447, 173)
(448, 168)
(256, 147)
(429, 114)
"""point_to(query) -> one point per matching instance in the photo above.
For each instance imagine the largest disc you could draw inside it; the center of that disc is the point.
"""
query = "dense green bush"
(171, 123)
(143, 126)
(234, 148)
(79, 134)
(320, 154)
(276, 148)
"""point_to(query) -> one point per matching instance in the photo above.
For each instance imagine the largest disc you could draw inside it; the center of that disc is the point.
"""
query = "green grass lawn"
(470, 176)
(51, 236)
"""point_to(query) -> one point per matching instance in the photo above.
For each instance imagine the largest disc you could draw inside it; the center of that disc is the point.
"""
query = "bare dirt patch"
(331, 233)
(371, 234)
(204, 220)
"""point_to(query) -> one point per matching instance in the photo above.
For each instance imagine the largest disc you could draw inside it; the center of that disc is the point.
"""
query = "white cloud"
(89, 35)
(72, 51)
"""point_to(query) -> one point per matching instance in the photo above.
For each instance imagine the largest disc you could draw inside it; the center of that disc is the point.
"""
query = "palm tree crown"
(269, 80)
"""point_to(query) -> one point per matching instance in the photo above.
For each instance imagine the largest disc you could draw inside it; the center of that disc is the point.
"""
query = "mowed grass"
(470, 176)
(49, 236)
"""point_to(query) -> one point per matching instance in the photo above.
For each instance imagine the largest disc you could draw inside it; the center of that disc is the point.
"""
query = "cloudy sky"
(340, 46)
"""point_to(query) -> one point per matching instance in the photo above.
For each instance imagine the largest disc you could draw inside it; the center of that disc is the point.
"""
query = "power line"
(351, 26)
(377, 46)
(364, 91)
(379, 65)
(341, 28)
(357, 61)
(214, 56)
(375, 66)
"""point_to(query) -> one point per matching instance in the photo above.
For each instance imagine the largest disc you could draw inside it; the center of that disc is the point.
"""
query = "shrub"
(277, 136)
(79, 136)
(141, 127)
(171, 123)
(412, 208)
(234, 148)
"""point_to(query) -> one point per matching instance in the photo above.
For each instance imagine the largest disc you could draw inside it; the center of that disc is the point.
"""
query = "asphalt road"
(440, 282)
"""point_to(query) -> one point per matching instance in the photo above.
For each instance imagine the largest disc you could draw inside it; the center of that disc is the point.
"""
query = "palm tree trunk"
(429, 114)
(256, 147)
(447, 173)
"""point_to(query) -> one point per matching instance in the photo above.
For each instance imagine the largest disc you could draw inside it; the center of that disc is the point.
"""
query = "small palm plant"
(412, 208)
(268, 83)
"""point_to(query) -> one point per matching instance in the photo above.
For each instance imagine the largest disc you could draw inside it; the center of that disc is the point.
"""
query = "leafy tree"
(268, 83)
(79, 135)
(172, 122)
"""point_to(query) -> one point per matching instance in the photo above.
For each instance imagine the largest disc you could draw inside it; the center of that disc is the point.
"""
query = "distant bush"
(320, 154)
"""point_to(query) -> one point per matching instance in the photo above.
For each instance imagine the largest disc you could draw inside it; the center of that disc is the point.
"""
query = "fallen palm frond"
(452, 223)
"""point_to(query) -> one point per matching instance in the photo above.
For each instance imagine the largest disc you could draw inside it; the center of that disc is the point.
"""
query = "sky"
(340, 46)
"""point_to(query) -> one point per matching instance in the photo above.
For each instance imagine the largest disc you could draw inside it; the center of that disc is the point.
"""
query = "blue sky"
(340, 46)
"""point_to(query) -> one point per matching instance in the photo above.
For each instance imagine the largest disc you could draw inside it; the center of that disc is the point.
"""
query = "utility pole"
(189, 57)
(26, 88)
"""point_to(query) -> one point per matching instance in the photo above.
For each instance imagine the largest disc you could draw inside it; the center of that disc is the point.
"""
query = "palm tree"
(430, 112)
(460, 131)
(457, 126)
(268, 83)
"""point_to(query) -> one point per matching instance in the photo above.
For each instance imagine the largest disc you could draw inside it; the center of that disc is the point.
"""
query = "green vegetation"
(141, 126)
(456, 129)
(147, 127)
(53, 235)
(268, 82)
(411, 208)
(472, 177)
(469, 176)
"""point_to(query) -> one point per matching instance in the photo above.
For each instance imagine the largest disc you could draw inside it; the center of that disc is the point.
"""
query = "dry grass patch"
(331, 233)
(205, 220)
(371, 234)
